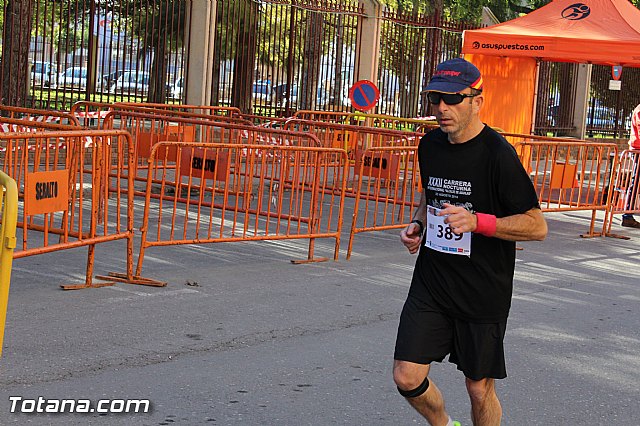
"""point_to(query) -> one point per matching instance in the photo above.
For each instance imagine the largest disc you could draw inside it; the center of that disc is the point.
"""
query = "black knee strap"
(417, 391)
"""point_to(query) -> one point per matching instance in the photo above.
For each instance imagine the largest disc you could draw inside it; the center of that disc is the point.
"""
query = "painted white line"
(157, 294)
(630, 297)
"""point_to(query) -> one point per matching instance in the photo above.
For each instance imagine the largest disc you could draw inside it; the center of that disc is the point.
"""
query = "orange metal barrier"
(195, 128)
(514, 138)
(388, 190)
(93, 114)
(150, 129)
(570, 175)
(625, 187)
(233, 119)
(231, 192)
(262, 121)
(325, 116)
(18, 125)
(424, 128)
(412, 125)
(62, 181)
(39, 115)
(194, 109)
(353, 139)
(187, 111)
(90, 114)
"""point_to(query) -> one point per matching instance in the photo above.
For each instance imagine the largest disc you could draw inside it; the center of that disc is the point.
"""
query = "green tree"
(468, 10)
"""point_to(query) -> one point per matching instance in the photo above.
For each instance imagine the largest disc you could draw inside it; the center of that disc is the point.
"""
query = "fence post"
(582, 98)
(369, 50)
(201, 20)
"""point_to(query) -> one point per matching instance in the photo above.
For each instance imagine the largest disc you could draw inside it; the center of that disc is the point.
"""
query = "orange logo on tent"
(576, 11)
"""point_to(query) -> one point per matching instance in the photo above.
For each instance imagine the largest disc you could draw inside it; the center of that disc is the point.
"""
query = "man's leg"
(410, 376)
(631, 195)
(485, 406)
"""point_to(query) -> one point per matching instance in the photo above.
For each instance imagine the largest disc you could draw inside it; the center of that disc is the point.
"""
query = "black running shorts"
(426, 335)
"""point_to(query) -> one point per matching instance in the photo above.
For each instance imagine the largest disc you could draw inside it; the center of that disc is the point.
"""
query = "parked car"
(326, 99)
(132, 83)
(602, 118)
(280, 93)
(74, 78)
(110, 79)
(261, 93)
(177, 89)
(43, 74)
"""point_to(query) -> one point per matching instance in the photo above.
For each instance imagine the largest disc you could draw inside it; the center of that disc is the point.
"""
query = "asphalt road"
(241, 336)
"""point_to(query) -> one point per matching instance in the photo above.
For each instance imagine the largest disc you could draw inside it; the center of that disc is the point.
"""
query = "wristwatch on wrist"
(420, 224)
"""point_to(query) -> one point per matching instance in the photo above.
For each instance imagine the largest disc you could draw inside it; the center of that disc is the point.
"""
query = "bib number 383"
(440, 236)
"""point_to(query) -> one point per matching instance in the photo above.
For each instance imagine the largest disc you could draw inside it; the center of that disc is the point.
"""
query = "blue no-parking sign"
(616, 72)
(364, 95)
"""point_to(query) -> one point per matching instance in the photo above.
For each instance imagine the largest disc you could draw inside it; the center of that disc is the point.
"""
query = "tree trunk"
(243, 65)
(158, 75)
(15, 52)
(312, 56)
(339, 83)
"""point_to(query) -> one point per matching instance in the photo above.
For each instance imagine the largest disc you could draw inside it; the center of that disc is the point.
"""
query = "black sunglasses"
(448, 98)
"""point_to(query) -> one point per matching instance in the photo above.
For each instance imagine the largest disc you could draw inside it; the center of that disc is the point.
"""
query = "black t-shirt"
(483, 175)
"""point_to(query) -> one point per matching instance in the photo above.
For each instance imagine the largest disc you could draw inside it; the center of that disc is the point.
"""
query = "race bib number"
(440, 236)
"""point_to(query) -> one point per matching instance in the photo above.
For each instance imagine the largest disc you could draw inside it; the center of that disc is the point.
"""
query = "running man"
(477, 202)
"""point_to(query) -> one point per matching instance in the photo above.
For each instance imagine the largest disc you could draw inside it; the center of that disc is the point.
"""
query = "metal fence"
(101, 50)
(411, 47)
(274, 57)
(556, 98)
(271, 57)
(608, 111)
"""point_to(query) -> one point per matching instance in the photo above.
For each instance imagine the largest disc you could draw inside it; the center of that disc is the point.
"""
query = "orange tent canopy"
(586, 31)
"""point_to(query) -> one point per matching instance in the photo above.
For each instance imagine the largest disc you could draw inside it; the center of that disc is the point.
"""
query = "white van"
(132, 83)
(74, 78)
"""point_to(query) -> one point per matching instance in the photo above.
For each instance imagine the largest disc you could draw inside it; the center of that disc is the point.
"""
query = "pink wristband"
(486, 224)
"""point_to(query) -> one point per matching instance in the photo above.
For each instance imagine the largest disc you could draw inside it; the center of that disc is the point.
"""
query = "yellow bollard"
(8, 243)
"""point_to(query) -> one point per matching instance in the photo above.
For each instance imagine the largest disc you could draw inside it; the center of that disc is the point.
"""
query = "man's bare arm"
(528, 226)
